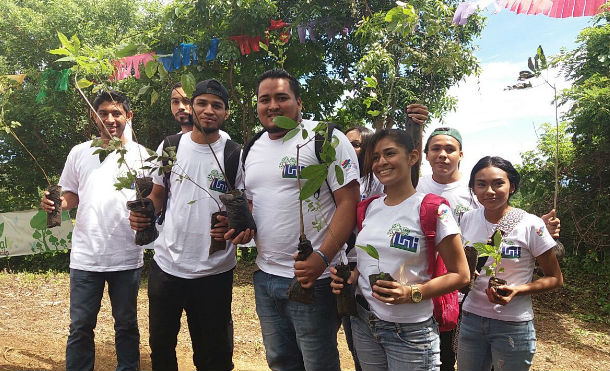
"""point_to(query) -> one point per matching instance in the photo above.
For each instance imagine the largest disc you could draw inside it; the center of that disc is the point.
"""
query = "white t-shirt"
(457, 193)
(396, 233)
(182, 248)
(520, 248)
(271, 184)
(102, 240)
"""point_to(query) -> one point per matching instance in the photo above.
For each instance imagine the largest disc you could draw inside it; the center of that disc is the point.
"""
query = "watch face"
(416, 295)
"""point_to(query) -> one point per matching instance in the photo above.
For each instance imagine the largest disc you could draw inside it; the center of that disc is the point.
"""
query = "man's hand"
(418, 112)
(242, 238)
(307, 271)
(47, 205)
(139, 221)
(337, 282)
(220, 228)
(552, 223)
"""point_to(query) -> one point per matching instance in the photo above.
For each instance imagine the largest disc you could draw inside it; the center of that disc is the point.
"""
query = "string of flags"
(551, 8)
(57, 79)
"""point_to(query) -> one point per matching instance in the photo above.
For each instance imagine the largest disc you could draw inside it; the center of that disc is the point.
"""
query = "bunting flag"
(182, 56)
(555, 8)
(59, 79)
(212, 51)
(125, 66)
(330, 29)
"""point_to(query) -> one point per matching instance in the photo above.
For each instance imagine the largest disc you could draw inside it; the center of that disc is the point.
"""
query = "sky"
(499, 122)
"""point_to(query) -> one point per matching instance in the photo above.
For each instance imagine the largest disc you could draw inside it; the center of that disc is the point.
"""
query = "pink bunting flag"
(555, 8)
(125, 66)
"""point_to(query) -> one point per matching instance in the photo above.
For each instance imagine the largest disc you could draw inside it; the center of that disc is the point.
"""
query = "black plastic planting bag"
(296, 292)
(146, 207)
(346, 300)
(238, 211)
(214, 244)
(54, 217)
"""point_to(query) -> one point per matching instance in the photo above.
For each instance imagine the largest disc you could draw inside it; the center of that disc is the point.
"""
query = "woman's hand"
(337, 282)
(394, 292)
(494, 297)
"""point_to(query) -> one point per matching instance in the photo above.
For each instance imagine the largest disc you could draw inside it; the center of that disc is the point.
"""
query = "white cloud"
(498, 122)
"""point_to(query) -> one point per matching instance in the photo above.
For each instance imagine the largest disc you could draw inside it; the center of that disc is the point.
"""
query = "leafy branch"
(491, 249)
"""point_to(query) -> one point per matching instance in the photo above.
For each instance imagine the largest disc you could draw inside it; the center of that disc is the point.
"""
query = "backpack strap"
(249, 145)
(170, 141)
(361, 210)
(231, 161)
(428, 216)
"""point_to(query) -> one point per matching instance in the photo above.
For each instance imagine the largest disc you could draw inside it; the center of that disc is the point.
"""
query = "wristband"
(323, 256)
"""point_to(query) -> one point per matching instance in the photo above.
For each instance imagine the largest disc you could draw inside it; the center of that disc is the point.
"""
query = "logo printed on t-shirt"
(288, 165)
(400, 239)
(511, 252)
(217, 181)
(346, 164)
(540, 231)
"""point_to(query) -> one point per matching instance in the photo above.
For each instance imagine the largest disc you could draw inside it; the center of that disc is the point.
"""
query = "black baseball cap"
(214, 87)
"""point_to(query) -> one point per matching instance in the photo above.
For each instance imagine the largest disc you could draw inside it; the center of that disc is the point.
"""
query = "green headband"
(445, 131)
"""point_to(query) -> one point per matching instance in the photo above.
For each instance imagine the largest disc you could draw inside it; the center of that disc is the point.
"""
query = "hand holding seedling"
(494, 297)
(337, 282)
(553, 224)
(307, 271)
(391, 292)
(220, 228)
(48, 205)
(139, 221)
(242, 238)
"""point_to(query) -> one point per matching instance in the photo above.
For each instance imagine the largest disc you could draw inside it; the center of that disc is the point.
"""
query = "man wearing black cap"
(184, 275)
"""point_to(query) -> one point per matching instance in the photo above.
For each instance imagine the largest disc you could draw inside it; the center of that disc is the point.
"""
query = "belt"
(362, 302)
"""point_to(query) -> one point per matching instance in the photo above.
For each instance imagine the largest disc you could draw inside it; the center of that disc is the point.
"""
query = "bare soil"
(34, 323)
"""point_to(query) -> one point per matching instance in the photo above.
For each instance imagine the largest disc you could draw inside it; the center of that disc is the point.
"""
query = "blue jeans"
(86, 290)
(297, 336)
(383, 345)
(505, 344)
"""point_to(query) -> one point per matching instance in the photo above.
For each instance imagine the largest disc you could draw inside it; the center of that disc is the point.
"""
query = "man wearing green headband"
(444, 152)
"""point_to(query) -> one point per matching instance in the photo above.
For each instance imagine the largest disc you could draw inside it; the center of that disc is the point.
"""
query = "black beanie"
(212, 86)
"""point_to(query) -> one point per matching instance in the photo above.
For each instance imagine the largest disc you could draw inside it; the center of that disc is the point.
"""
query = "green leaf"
(1, 228)
(304, 134)
(369, 249)
(328, 153)
(162, 71)
(310, 187)
(126, 50)
(188, 83)
(530, 64)
(83, 83)
(263, 46)
(374, 113)
(63, 39)
(289, 135)
(66, 59)
(285, 122)
(154, 95)
(314, 171)
(191, 202)
(542, 57)
(151, 68)
(36, 235)
(39, 221)
(60, 51)
(144, 90)
(371, 82)
(339, 174)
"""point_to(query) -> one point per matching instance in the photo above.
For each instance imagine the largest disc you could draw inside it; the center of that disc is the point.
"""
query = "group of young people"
(394, 328)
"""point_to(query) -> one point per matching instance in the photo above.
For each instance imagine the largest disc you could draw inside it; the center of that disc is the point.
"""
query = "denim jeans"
(383, 345)
(484, 342)
(349, 339)
(86, 290)
(297, 336)
(207, 302)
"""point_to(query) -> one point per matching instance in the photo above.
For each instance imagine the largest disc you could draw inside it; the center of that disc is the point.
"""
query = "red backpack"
(446, 307)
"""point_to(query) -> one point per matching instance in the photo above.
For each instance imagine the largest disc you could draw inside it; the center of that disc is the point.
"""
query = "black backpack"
(231, 162)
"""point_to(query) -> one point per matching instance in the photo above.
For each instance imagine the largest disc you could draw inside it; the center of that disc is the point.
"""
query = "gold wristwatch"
(416, 294)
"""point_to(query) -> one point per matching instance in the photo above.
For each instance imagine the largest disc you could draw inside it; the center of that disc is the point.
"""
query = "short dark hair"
(281, 74)
(494, 161)
(177, 85)
(111, 96)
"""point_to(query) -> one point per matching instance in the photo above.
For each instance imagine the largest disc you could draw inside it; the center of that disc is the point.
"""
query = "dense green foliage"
(584, 158)
(413, 52)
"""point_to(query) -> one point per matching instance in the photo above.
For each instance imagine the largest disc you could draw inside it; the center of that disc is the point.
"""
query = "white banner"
(26, 232)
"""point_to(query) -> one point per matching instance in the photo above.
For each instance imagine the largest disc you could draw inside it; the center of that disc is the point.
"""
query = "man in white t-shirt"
(185, 274)
(103, 245)
(181, 108)
(296, 336)
(443, 151)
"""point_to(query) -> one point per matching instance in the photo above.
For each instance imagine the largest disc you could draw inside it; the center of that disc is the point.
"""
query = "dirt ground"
(34, 321)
